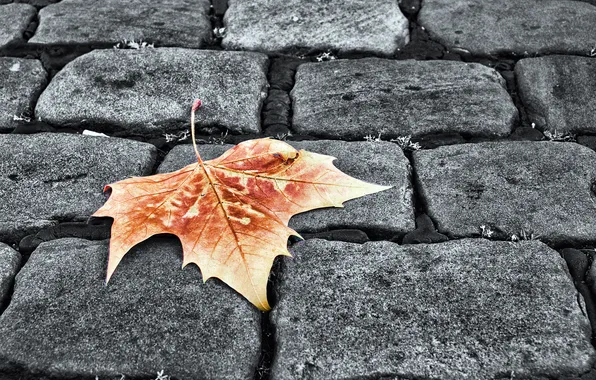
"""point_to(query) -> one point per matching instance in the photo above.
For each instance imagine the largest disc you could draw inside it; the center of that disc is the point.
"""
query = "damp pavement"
(476, 264)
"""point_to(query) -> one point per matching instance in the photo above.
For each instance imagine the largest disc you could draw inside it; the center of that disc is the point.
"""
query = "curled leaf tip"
(196, 104)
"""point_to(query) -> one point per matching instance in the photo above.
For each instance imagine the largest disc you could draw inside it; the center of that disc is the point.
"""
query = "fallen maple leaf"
(231, 213)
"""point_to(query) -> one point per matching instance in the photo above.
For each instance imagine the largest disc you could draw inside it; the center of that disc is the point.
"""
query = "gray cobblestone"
(462, 309)
(350, 99)
(14, 19)
(559, 92)
(347, 27)
(150, 91)
(182, 23)
(538, 188)
(10, 261)
(22, 82)
(524, 27)
(153, 316)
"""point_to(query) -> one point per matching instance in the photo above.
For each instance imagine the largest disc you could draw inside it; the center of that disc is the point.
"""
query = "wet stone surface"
(350, 99)
(22, 80)
(537, 188)
(559, 92)
(524, 27)
(382, 214)
(461, 309)
(182, 23)
(150, 91)
(319, 25)
(51, 177)
(10, 261)
(152, 316)
(14, 19)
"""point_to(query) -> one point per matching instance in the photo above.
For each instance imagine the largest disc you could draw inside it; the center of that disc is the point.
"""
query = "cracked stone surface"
(461, 309)
(10, 261)
(559, 92)
(350, 99)
(14, 19)
(537, 187)
(22, 82)
(347, 27)
(183, 23)
(64, 321)
(49, 177)
(503, 27)
(151, 91)
(386, 213)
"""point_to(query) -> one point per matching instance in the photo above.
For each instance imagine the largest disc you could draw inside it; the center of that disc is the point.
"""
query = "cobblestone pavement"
(475, 265)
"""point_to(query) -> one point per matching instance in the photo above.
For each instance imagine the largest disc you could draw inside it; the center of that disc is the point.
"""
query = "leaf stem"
(195, 106)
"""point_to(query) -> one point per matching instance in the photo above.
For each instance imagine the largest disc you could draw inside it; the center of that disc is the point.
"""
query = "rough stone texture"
(347, 27)
(537, 187)
(10, 261)
(152, 316)
(151, 90)
(511, 27)
(559, 92)
(350, 99)
(14, 19)
(386, 213)
(21, 82)
(50, 177)
(181, 23)
(471, 309)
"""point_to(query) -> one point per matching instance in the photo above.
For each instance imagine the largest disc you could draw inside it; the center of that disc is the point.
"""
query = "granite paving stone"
(503, 27)
(542, 188)
(150, 91)
(183, 23)
(14, 19)
(346, 27)
(350, 99)
(559, 92)
(387, 213)
(466, 309)
(10, 261)
(152, 316)
(51, 177)
(21, 82)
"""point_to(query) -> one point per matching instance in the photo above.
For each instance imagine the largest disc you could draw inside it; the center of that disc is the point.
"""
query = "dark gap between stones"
(217, 10)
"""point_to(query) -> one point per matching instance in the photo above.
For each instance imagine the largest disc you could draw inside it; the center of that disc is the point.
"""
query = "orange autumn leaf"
(231, 214)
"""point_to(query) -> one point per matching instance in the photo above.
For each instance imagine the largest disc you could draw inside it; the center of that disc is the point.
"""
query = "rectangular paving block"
(50, 177)
(384, 214)
(316, 25)
(152, 316)
(466, 309)
(150, 91)
(559, 92)
(183, 23)
(22, 81)
(10, 262)
(505, 27)
(539, 188)
(350, 99)
(14, 20)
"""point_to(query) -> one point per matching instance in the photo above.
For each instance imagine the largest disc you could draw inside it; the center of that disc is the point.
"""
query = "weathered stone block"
(538, 188)
(470, 308)
(183, 23)
(153, 316)
(559, 92)
(51, 177)
(347, 27)
(10, 261)
(350, 99)
(14, 19)
(150, 91)
(511, 27)
(22, 82)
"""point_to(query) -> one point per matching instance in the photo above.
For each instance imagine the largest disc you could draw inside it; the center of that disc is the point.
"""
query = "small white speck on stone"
(15, 67)
(91, 133)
